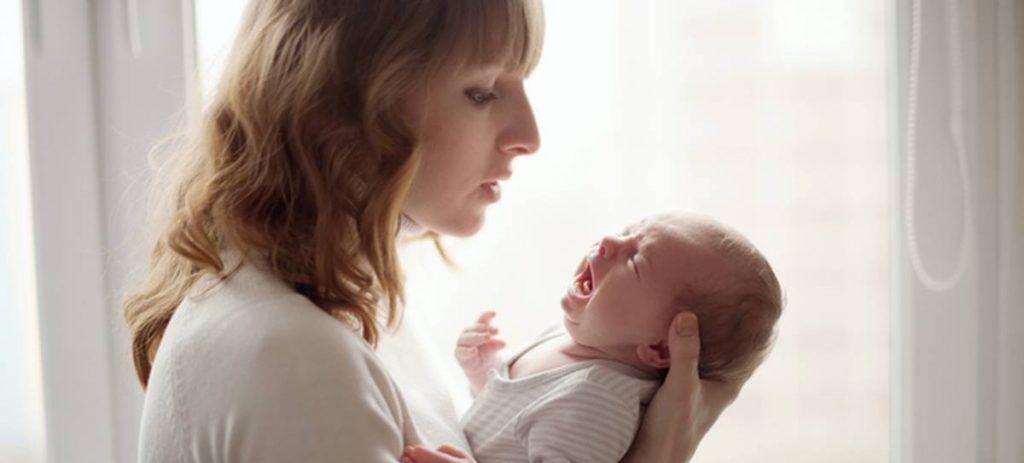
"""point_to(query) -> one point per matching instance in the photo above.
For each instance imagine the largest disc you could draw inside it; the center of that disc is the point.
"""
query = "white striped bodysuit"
(582, 412)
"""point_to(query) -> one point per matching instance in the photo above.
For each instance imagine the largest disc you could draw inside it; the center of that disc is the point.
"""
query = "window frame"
(955, 387)
(89, 137)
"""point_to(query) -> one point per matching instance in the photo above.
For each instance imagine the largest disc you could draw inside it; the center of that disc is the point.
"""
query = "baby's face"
(623, 291)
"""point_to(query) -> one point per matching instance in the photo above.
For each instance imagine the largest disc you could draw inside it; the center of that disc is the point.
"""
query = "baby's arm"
(477, 351)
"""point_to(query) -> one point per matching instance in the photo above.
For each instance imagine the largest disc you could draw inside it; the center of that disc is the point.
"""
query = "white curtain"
(958, 378)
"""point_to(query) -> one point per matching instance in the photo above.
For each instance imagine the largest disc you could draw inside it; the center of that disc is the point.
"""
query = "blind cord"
(927, 278)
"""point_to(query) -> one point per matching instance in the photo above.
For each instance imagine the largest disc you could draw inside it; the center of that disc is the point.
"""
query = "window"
(21, 423)
(213, 39)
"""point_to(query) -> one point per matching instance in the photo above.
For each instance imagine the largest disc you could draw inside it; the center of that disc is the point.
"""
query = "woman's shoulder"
(252, 308)
(255, 320)
(251, 353)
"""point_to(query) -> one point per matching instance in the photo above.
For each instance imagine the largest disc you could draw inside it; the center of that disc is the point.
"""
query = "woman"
(336, 124)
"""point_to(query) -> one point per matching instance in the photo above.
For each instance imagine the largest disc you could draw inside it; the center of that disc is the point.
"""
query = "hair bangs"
(495, 33)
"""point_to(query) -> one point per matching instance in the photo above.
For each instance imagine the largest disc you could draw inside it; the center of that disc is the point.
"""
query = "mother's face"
(471, 123)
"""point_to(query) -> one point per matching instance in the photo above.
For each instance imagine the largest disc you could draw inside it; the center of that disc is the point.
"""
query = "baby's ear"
(655, 355)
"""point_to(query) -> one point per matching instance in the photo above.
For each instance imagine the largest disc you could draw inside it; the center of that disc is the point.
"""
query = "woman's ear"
(655, 355)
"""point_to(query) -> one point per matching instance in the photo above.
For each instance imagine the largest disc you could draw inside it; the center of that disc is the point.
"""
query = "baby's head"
(630, 286)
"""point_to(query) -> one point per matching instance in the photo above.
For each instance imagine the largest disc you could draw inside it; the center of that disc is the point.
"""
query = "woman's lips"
(492, 191)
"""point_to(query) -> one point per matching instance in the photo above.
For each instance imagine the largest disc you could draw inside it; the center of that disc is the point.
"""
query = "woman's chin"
(465, 225)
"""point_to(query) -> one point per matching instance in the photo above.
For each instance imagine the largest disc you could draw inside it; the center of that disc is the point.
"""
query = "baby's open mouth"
(584, 284)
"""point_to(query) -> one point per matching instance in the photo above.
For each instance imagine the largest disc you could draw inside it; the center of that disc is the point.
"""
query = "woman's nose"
(521, 135)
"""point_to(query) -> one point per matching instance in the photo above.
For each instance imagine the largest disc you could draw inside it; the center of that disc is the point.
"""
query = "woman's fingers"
(452, 450)
(685, 407)
(684, 348)
(675, 422)
(719, 394)
(707, 399)
(444, 454)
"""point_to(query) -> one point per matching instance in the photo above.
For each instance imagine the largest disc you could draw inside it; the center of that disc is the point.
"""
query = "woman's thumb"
(684, 346)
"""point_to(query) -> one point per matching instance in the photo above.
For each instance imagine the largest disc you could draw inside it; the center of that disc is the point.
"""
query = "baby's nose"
(608, 247)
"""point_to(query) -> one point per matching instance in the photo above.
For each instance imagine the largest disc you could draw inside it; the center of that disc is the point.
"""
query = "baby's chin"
(570, 327)
(572, 332)
(578, 338)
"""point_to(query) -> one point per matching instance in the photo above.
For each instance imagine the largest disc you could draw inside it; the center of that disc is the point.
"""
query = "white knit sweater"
(251, 371)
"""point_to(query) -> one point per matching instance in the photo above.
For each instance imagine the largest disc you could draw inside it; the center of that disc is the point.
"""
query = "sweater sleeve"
(581, 422)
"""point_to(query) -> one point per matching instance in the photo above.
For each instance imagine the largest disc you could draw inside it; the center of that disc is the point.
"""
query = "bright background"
(21, 401)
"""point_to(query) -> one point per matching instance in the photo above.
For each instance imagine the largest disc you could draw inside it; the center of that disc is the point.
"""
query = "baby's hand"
(477, 350)
(444, 454)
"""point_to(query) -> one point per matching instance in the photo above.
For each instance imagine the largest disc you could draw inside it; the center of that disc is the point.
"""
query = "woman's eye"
(480, 96)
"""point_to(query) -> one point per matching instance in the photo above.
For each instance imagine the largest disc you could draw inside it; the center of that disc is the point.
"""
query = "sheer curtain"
(958, 377)
(22, 437)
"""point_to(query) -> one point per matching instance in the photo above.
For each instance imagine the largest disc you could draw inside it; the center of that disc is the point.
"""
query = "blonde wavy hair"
(302, 156)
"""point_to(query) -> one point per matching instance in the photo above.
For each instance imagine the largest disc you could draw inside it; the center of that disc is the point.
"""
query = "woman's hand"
(444, 454)
(477, 350)
(685, 407)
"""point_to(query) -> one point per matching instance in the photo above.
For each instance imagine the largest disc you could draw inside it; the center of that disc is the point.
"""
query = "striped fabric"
(583, 412)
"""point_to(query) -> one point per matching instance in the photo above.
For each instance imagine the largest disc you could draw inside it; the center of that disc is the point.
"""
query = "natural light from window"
(21, 421)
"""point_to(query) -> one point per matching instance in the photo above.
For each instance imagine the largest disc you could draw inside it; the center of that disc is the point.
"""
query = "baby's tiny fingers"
(424, 455)
(480, 328)
(486, 317)
(493, 344)
(466, 354)
(472, 338)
